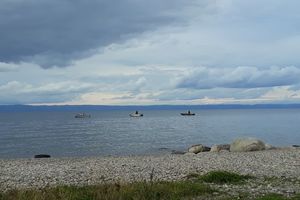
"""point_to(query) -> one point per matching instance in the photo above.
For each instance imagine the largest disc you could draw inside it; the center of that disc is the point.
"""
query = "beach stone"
(247, 144)
(197, 148)
(220, 147)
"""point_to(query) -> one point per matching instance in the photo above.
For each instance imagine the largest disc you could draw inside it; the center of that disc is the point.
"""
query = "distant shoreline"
(16, 108)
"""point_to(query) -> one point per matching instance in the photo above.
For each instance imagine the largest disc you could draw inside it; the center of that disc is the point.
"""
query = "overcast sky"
(129, 52)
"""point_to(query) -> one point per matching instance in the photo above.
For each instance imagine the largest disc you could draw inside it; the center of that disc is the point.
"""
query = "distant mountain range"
(25, 108)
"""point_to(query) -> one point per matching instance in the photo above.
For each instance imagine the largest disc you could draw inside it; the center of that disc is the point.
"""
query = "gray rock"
(198, 148)
(247, 144)
(269, 147)
(220, 147)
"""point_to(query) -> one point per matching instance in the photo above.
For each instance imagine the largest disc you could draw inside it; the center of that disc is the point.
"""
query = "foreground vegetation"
(196, 186)
(143, 190)
(222, 177)
(278, 197)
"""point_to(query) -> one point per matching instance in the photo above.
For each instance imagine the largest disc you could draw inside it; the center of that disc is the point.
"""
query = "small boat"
(82, 115)
(136, 114)
(188, 114)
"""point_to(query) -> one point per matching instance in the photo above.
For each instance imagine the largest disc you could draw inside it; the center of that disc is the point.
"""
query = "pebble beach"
(49, 172)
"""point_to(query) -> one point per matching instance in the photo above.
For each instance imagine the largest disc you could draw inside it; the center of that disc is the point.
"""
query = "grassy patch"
(297, 197)
(272, 197)
(222, 177)
(139, 191)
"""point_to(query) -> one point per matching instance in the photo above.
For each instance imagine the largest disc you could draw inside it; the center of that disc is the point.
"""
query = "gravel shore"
(37, 173)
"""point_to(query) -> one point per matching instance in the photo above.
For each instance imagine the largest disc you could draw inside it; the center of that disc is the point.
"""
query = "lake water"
(24, 134)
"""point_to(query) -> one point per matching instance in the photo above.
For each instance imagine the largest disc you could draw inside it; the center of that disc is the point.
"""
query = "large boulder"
(220, 147)
(198, 148)
(247, 144)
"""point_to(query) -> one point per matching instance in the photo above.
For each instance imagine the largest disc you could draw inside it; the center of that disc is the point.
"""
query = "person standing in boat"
(136, 112)
(189, 112)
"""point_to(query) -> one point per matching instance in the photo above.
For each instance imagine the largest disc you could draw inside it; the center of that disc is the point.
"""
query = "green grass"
(223, 177)
(278, 197)
(272, 197)
(138, 191)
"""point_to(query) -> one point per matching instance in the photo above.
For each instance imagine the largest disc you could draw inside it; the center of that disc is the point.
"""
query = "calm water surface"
(23, 134)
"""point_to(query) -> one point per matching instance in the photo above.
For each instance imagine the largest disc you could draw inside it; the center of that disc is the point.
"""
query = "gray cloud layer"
(15, 92)
(53, 32)
(240, 77)
(139, 51)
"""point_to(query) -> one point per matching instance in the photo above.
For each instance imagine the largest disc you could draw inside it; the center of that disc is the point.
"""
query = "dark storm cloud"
(54, 32)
